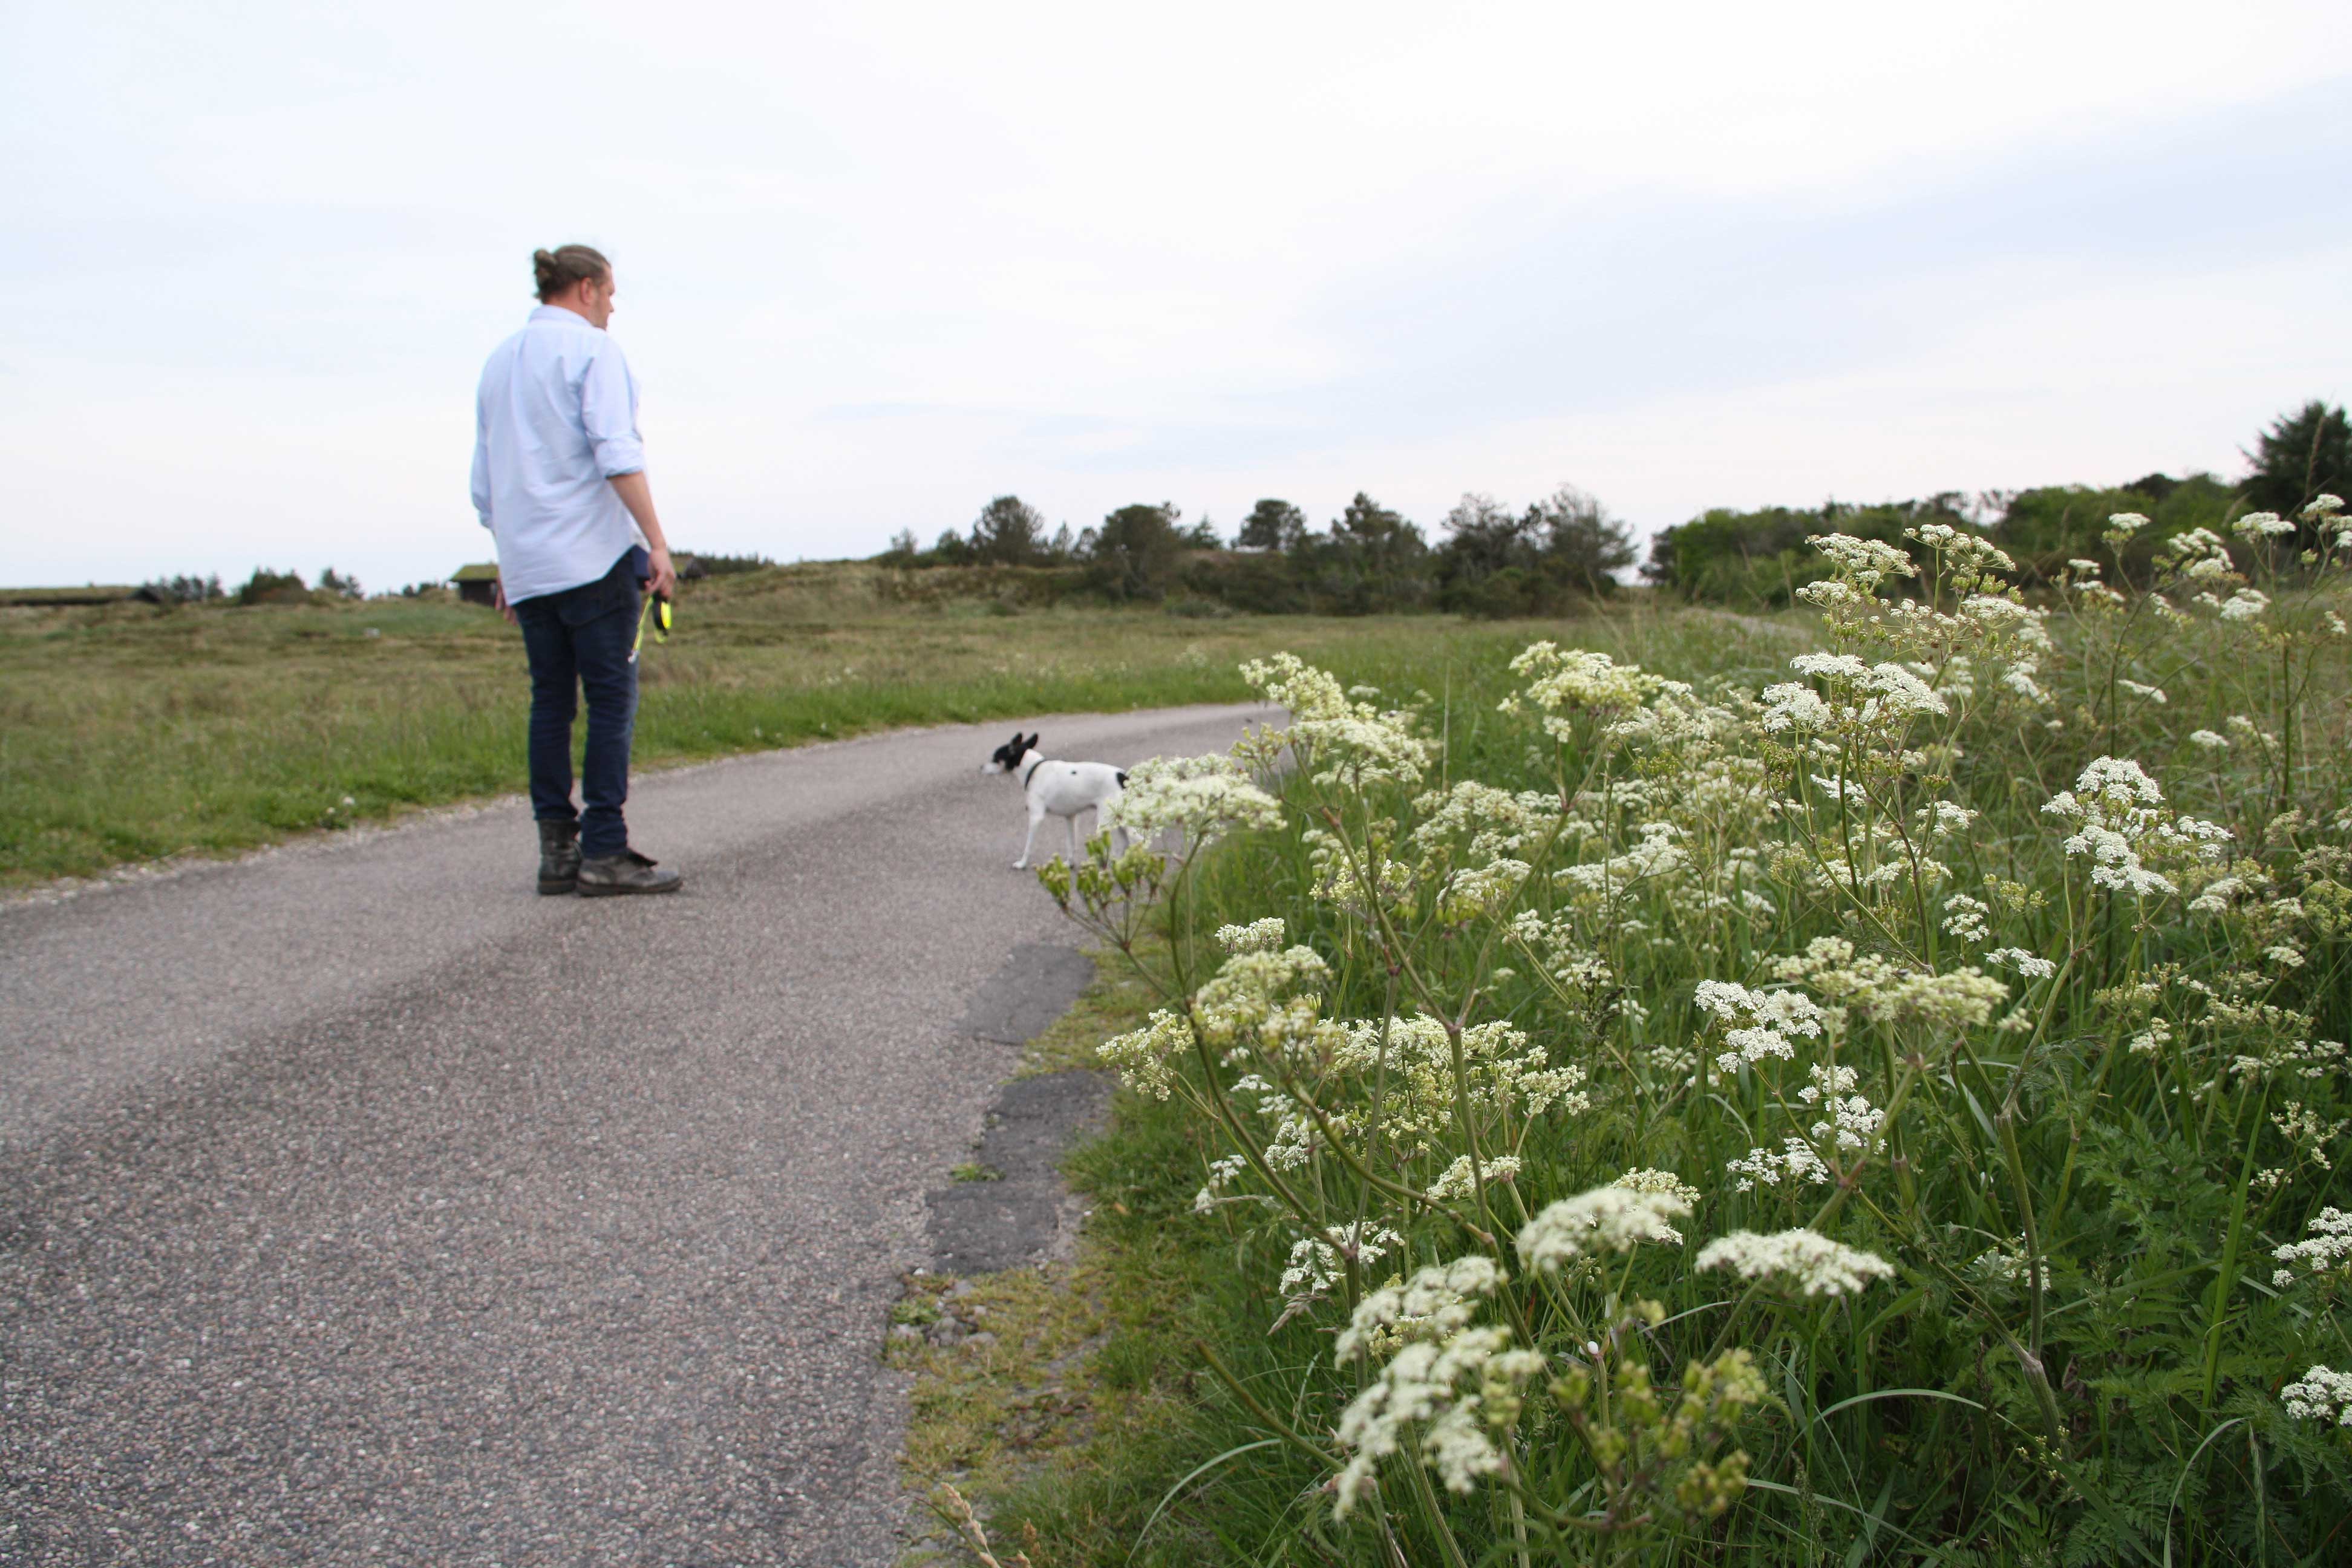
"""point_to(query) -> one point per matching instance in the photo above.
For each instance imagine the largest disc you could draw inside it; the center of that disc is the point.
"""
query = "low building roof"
(480, 572)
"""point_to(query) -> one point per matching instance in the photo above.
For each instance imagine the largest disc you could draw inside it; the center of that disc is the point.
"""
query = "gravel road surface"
(358, 1206)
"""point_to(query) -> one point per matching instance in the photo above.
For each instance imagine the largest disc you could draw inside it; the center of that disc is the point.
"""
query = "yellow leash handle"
(660, 621)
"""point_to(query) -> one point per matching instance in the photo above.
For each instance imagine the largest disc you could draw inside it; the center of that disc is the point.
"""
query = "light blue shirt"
(556, 418)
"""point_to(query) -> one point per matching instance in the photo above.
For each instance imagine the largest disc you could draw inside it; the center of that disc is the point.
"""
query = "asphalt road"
(358, 1206)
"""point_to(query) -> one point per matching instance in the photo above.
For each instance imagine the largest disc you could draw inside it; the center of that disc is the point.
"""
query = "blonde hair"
(557, 270)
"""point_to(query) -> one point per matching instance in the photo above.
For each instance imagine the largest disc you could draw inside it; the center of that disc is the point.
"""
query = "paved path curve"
(357, 1204)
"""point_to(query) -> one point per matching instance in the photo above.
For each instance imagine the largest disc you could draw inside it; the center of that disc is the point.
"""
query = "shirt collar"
(557, 313)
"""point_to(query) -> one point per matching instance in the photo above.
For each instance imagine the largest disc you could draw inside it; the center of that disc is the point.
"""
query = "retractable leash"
(660, 621)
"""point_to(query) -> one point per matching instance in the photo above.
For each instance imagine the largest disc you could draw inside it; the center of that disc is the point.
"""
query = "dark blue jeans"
(578, 641)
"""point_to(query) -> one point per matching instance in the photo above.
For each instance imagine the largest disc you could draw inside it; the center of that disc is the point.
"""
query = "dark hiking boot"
(559, 856)
(608, 876)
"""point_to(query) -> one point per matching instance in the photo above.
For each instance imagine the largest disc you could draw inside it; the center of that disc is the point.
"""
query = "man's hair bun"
(557, 270)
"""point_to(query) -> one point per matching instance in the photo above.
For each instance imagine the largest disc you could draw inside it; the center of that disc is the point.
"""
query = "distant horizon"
(1433, 532)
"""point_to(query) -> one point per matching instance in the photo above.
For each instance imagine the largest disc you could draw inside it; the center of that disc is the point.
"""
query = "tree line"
(1491, 559)
(1759, 559)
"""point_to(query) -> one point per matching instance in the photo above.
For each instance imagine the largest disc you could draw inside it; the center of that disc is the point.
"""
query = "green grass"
(130, 733)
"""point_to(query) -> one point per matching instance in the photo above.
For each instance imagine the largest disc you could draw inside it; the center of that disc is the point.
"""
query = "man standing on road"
(558, 475)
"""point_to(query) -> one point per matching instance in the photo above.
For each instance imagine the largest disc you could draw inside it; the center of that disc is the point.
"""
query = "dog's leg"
(1029, 843)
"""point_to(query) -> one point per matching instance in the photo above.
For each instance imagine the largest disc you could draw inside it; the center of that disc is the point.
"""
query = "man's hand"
(638, 495)
(498, 597)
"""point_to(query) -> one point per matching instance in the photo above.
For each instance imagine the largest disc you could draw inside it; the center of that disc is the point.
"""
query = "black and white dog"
(1056, 789)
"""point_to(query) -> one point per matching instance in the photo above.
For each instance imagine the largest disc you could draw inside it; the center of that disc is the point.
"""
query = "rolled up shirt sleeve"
(481, 484)
(608, 410)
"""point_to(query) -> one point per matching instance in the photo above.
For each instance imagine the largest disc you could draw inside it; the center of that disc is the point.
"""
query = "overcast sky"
(878, 263)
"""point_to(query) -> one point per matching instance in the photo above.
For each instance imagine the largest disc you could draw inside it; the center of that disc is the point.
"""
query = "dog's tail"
(1122, 781)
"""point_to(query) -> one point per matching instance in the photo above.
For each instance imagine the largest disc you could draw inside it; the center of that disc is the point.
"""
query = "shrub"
(1564, 550)
(1136, 552)
(185, 590)
(267, 587)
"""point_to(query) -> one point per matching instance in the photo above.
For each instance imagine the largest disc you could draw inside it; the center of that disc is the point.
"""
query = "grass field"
(130, 733)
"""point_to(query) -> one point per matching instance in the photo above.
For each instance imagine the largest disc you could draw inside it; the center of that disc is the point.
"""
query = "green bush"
(267, 587)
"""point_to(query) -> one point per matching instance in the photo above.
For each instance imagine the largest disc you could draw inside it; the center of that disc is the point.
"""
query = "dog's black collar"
(1031, 772)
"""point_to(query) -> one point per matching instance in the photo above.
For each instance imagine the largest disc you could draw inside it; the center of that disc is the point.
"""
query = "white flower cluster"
(1642, 1181)
(1460, 1180)
(1871, 985)
(1494, 821)
(1564, 683)
(1474, 891)
(1272, 1001)
(1143, 1056)
(1870, 697)
(1457, 1393)
(2326, 1249)
(2308, 1060)
(1969, 558)
(1795, 1160)
(2123, 819)
(1436, 1303)
(2259, 525)
(1503, 1073)
(1791, 706)
(1258, 936)
(1805, 1259)
(2196, 555)
(1223, 1173)
(2320, 1396)
(2246, 604)
(2324, 511)
(1349, 743)
(1605, 1219)
(1963, 917)
(1853, 1122)
(1864, 562)
(2026, 963)
(1654, 855)
(1316, 1263)
(1776, 1021)
(1199, 797)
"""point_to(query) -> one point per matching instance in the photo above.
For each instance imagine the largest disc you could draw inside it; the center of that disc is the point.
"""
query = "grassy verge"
(2086, 1151)
(1059, 1383)
(1074, 1402)
(129, 732)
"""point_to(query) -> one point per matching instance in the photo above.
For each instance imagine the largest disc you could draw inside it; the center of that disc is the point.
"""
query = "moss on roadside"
(1116, 1000)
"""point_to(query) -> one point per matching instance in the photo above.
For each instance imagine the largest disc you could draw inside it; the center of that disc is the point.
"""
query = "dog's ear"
(1029, 745)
